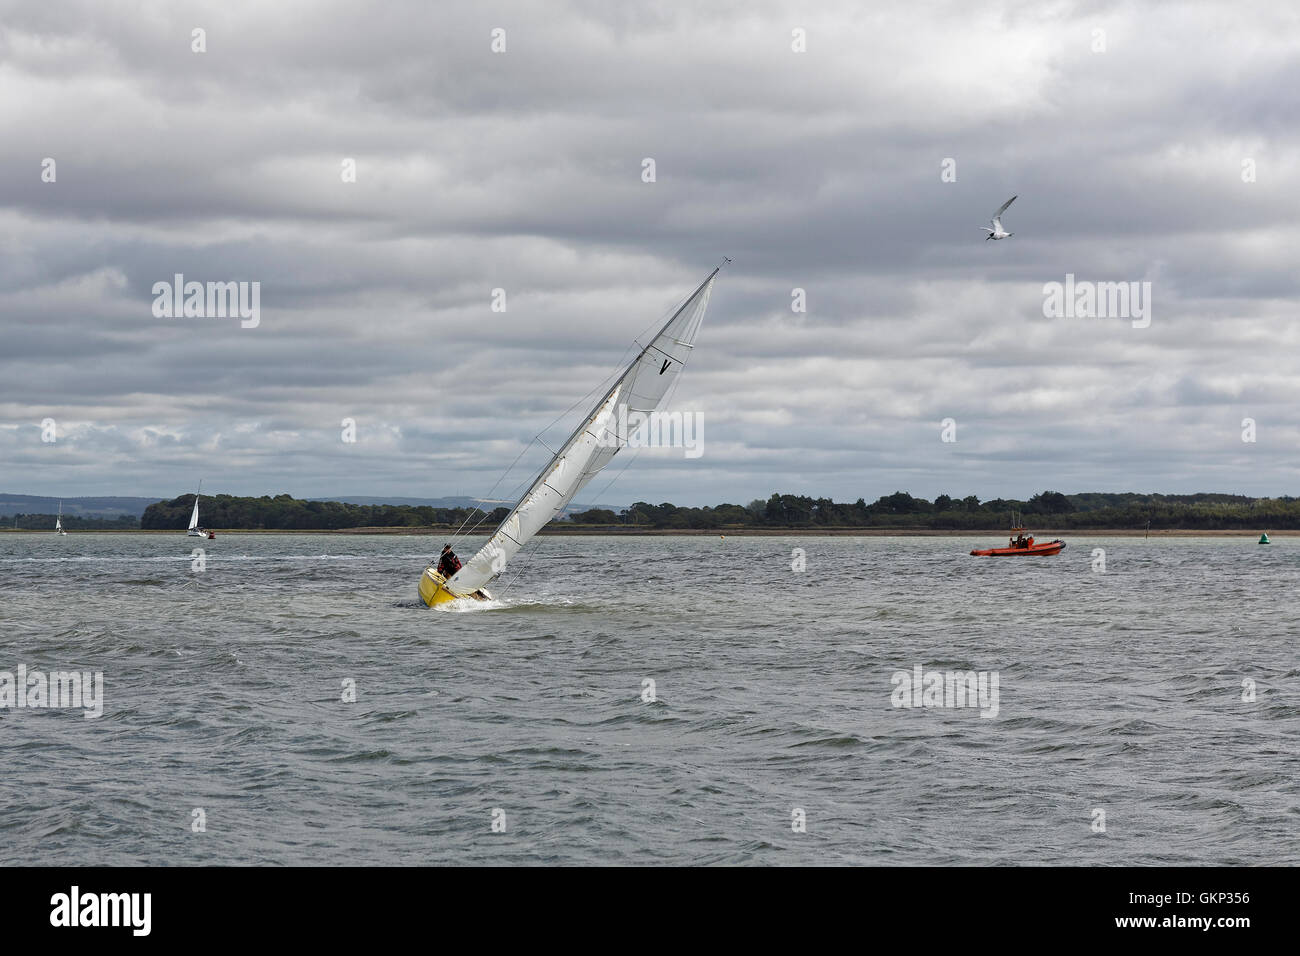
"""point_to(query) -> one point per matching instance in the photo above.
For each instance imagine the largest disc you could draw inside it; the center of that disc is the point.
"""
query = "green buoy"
(1263, 538)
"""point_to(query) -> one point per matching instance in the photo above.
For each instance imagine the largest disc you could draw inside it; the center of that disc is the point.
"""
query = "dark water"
(1120, 691)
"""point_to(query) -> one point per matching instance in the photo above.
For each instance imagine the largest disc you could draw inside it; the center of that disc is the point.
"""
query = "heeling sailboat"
(640, 388)
(58, 522)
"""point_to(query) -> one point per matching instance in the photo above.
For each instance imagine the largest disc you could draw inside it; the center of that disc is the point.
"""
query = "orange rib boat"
(1022, 545)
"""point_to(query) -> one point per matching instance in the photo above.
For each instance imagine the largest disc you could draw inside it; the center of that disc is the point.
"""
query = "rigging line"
(671, 310)
(541, 542)
(668, 400)
(521, 567)
(461, 534)
(535, 439)
(620, 367)
(514, 493)
(456, 535)
(617, 475)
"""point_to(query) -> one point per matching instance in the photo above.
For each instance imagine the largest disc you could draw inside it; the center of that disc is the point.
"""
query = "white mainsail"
(640, 388)
(194, 515)
(58, 522)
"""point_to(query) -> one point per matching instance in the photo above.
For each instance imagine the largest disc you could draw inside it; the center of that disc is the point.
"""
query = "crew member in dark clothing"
(448, 564)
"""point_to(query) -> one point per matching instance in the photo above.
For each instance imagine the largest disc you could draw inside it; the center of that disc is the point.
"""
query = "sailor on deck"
(448, 564)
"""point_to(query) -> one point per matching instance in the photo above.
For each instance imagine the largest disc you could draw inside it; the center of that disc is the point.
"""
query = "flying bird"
(997, 232)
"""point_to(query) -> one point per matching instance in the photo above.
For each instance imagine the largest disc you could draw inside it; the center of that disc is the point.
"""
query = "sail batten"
(641, 387)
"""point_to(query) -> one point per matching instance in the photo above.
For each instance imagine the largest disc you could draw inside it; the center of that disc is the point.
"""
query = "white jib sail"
(194, 515)
(641, 388)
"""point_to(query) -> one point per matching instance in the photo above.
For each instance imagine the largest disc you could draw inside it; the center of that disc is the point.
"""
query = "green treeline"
(286, 513)
(946, 513)
(1047, 509)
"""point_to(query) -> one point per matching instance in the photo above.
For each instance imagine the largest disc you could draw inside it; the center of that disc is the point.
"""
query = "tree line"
(286, 513)
(1098, 510)
(45, 522)
(948, 513)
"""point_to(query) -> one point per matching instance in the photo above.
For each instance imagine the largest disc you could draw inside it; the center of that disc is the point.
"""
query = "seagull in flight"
(997, 232)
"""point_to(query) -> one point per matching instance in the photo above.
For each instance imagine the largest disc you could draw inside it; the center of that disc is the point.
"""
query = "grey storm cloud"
(1124, 129)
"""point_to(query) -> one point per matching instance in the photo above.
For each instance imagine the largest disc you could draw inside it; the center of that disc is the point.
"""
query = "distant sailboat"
(640, 388)
(58, 522)
(195, 531)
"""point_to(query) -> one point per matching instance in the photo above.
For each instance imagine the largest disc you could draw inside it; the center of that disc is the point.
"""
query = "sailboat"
(58, 522)
(641, 387)
(195, 531)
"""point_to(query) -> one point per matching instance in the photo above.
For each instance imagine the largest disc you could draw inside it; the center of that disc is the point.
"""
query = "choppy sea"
(686, 700)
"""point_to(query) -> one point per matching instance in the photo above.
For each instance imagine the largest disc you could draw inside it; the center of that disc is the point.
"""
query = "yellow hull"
(433, 590)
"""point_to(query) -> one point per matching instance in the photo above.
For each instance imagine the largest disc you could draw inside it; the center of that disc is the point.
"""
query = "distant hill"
(77, 507)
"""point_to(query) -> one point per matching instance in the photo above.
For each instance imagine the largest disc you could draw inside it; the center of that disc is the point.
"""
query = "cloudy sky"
(1146, 142)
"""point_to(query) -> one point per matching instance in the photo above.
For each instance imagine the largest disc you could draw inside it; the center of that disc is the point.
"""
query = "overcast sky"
(1125, 130)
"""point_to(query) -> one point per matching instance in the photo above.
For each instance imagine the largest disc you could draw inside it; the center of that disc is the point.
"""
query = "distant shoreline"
(599, 531)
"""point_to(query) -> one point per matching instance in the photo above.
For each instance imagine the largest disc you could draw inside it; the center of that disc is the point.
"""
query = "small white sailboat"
(195, 531)
(58, 522)
(640, 388)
